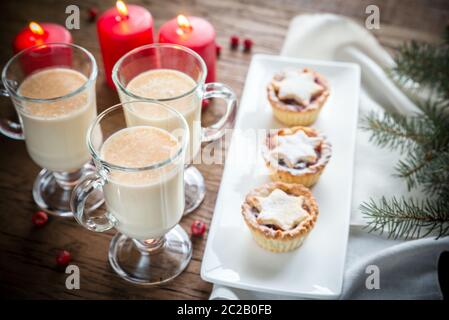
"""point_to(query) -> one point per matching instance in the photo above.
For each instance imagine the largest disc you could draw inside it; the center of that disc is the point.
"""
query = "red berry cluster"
(63, 258)
(234, 42)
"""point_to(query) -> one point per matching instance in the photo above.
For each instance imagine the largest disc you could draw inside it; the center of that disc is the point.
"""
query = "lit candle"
(121, 29)
(195, 33)
(38, 34)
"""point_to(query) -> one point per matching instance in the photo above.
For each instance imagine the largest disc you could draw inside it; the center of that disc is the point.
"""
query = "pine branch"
(425, 64)
(424, 141)
(402, 218)
(414, 167)
(395, 131)
(446, 35)
(437, 118)
(435, 181)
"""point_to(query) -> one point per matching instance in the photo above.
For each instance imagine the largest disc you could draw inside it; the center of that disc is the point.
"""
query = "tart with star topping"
(280, 215)
(296, 155)
(297, 96)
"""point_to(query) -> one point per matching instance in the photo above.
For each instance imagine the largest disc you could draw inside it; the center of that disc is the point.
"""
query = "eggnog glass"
(175, 75)
(139, 169)
(52, 87)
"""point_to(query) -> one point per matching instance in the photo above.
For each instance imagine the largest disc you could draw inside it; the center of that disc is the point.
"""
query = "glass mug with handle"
(52, 87)
(140, 172)
(175, 75)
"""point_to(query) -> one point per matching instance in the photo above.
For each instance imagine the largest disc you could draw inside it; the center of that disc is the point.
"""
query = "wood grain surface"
(27, 255)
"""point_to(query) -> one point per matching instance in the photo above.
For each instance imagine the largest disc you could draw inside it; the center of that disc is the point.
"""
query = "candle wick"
(181, 30)
(121, 17)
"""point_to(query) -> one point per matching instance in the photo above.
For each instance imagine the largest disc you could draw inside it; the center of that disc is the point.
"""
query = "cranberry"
(205, 103)
(39, 218)
(218, 50)
(247, 44)
(63, 258)
(234, 41)
(92, 14)
(198, 228)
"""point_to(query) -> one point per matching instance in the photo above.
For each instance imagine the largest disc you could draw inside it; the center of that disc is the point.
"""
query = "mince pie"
(280, 215)
(296, 155)
(297, 96)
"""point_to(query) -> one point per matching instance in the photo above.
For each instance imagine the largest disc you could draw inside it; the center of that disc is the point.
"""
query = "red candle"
(120, 30)
(195, 33)
(37, 34)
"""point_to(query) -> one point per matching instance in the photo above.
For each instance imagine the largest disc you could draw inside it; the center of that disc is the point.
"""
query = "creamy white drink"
(55, 132)
(146, 203)
(163, 84)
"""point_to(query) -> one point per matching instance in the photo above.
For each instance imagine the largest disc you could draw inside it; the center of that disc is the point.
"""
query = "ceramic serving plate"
(315, 270)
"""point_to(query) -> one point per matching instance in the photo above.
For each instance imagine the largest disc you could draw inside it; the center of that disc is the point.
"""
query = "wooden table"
(27, 254)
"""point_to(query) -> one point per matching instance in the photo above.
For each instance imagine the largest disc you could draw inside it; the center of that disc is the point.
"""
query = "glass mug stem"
(8, 127)
(149, 246)
(68, 180)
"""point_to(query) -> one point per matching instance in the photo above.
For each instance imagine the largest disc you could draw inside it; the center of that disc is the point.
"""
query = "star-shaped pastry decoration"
(299, 86)
(281, 210)
(298, 147)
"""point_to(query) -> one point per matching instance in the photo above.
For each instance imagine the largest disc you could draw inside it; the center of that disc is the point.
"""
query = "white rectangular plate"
(315, 270)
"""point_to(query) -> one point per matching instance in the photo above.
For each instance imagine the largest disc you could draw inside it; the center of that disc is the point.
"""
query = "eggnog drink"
(162, 84)
(146, 203)
(55, 131)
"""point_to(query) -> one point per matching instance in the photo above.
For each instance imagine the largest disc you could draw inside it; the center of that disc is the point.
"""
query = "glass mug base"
(151, 263)
(195, 189)
(52, 191)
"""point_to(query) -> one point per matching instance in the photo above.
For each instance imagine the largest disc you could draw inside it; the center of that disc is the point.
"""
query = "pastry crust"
(273, 239)
(307, 176)
(295, 114)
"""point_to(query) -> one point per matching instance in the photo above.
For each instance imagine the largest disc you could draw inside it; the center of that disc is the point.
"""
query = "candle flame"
(121, 8)
(184, 24)
(36, 28)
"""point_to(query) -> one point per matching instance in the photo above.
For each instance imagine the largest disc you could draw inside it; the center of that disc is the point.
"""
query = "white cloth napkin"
(408, 269)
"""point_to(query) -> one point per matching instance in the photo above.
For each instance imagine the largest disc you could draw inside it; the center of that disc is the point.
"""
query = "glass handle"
(10, 128)
(220, 91)
(78, 200)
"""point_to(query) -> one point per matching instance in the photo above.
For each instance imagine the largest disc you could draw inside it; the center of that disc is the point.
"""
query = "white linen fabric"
(408, 269)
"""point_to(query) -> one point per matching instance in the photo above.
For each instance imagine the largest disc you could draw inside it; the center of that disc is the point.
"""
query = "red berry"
(198, 228)
(39, 218)
(234, 41)
(63, 258)
(247, 44)
(218, 50)
(205, 103)
(92, 12)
